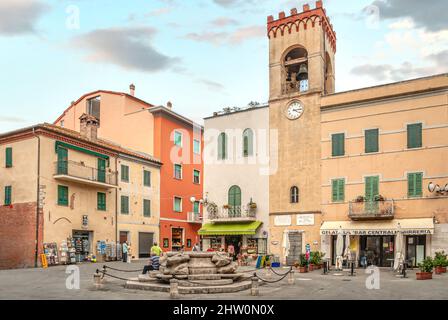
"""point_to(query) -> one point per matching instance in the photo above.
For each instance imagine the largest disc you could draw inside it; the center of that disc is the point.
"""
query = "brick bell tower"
(302, 49)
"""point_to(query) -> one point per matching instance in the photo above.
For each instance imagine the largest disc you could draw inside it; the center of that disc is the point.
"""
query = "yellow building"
(366, 163)
(57, 184)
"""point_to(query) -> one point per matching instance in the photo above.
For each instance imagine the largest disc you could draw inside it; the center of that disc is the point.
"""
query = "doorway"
(415, 249)
(145, 242)
(378, 251)
(124, 236)
(236, 241)
(295, 248)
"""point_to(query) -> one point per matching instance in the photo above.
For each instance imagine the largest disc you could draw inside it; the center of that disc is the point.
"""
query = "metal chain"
(273, 281)
(104, 273)
(107, 267)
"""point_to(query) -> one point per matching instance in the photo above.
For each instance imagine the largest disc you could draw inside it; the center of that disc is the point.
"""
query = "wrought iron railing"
(194, 217)
(233, 212)
(372, 210)
(81, 171)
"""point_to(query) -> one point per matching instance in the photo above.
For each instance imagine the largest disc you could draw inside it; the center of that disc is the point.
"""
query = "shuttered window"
(124, 205)
(415, 184)
(235, 196)
(196, 207)
(338, 190)
(124, 173)
(222, 146)
(147, 208)
(372, 187)
(415, 135)
(8, 157)
(101, 200)
(146, 178)
(178, 171)
(62, 195)
(371, 140)
(178, 139)
(248, 143)
(178, 204)
(196, 176)
(338, 144)
(8, 195)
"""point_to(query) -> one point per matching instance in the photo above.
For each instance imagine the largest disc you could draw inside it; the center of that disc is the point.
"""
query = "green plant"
(379, 198)
(440, 259)
(426, 265)
(303, 262)
(316, 257)
(360, 199)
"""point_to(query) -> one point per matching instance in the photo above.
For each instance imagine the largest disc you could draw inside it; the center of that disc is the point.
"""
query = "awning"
(379, 228)
(230, 229)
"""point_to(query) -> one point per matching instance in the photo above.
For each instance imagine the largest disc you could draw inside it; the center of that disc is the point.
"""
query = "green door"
(62, 161)
(235, 201)
(101, 170)
(372, 190)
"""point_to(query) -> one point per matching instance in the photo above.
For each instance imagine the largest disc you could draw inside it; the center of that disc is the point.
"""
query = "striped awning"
(230, 229)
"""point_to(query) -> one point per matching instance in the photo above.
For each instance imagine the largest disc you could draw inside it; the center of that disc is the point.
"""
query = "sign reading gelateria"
(377, 232)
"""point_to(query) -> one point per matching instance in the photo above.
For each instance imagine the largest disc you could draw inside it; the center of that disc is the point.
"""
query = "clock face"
(295, 110)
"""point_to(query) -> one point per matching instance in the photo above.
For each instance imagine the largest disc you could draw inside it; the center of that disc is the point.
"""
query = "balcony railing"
(194, 217)
(234, 213)
(78, 172)
(372, 210)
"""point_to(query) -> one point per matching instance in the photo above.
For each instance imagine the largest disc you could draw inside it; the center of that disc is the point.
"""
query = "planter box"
(440, 270)
(302, 269)
(312, 267)
(424, 275)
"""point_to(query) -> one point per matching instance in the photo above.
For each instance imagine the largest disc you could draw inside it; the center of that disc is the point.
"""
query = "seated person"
(153, 264)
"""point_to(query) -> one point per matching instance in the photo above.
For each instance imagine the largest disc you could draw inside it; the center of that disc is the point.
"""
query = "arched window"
(235, 196)
(294, 195)
(296, 71)
(222, 146)
(248, 143)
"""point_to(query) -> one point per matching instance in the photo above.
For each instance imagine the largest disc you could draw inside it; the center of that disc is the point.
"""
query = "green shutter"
(146, 178)
(196, 207)
(222, 146)
(372, 188)
(147, 208)
(338, 144)
(8, 195)
(8, 162)
(235, 196)
(62, 160)
(334, 190)
(101, 199)
(124, 205)
(338, 190)
(415, 184)
(62, 196)
(371, 140)
(101, 170)
(415, 135)
(124, 173)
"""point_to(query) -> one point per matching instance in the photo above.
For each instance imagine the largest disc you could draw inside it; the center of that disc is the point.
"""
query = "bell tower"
(302, 49)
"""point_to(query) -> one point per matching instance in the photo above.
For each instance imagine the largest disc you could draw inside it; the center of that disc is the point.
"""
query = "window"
(371, 140)
(222, 146)
(8, 195)
(101, 200)
(146, 208)
(414, 135)
(62, 160)
(177, 204)
(101, 170)
(166, 242)
(248, 143)
(415, 182)
(124, 173)
(124, 205)
(8, 154)
(372, 187)
(196, 146)
(235, 196)
(178, 171)
(196, 207)
(62, 196)
(178, 139)
(294, 194)
(338, 190)
(146, 178)
(338, 144)
(93, 107)
(196, 176)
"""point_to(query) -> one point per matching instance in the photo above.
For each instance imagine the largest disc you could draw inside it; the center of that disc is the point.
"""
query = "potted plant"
(426, 267)
(226, 206)
(440, 262)
(360, 199)
(379, 198)
(302, 264)
(315, 260)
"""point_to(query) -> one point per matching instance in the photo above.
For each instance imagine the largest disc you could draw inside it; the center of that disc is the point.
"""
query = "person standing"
(156, 250)
(197, 247)
(231, 251)
(125, 252)
(129, 253)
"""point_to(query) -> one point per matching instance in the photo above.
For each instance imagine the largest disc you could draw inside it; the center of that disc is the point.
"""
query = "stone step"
(205, 277)
(146, 278)
(201, 283)
(236, 287)
(157, 286)
(232, 275)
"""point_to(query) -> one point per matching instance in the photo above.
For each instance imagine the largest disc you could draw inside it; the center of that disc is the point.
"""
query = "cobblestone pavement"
(51, 284)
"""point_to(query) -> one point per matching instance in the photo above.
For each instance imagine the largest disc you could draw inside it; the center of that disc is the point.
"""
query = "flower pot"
(424, 275)
(303, 270)
(312, 267)
(440, 270)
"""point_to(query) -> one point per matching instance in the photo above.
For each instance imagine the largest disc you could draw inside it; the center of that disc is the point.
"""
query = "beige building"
(367, 163)
(236, 185)
(57, 184)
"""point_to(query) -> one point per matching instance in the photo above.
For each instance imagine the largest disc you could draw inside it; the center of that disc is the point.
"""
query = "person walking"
(156, 250)
(125, 252)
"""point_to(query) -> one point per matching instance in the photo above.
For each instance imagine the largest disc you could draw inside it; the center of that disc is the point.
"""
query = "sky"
(201, 55)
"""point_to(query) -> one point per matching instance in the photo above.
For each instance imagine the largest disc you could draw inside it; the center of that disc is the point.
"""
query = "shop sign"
(305, 220)
(377, 232)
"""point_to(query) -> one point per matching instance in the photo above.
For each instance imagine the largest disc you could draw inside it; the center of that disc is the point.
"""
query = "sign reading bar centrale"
(377, 232)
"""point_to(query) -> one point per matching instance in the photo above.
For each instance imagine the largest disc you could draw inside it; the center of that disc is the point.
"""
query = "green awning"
(230, 229)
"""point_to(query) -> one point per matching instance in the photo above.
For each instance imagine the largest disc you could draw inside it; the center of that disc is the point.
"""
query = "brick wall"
(18, 235)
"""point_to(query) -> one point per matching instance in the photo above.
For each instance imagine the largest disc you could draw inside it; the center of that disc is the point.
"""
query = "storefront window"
(176, 238)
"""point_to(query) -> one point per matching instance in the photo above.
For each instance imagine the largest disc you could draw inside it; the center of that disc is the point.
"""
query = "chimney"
(169, 105)
(89, 127)
(132, 90)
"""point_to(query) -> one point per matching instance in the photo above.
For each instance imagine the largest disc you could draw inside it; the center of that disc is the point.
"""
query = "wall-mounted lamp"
(432, 187)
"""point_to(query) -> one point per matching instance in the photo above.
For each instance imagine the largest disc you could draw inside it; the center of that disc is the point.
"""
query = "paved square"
(51, 284)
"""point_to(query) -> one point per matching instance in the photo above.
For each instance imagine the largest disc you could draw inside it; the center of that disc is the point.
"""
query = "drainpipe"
(36, 254)
(116, 203)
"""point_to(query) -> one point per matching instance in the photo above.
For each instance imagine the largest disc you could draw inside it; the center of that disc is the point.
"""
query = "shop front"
(373, 243)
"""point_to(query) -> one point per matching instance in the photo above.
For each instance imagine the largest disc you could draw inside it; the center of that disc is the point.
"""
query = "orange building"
(160, 132)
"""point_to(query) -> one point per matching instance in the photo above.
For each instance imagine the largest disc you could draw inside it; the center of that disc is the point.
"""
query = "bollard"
(254, 291)
(291, 277)
(97, 280)
(174, 289)
(325, 268)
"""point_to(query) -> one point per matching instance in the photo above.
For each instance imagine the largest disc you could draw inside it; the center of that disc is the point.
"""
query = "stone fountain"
(194, 273)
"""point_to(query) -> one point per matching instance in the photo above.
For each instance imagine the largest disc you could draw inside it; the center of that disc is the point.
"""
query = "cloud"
(223, 22)
(428, 14)
(19, 17)
(212, 85)
(128, 48)
(231, 38)
(159, 12)
(11, 119)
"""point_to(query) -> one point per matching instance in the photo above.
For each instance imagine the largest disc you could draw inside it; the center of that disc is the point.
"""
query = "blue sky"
(202, 55)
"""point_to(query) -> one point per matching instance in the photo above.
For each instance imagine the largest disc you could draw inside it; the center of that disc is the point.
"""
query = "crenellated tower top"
(317, 16)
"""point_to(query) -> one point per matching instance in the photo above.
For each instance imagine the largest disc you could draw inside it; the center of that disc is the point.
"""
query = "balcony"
(194, 217)
(76, 172)
(233, 214)
(372, 210)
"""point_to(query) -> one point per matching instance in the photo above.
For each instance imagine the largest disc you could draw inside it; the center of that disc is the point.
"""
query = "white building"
(236, 186)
